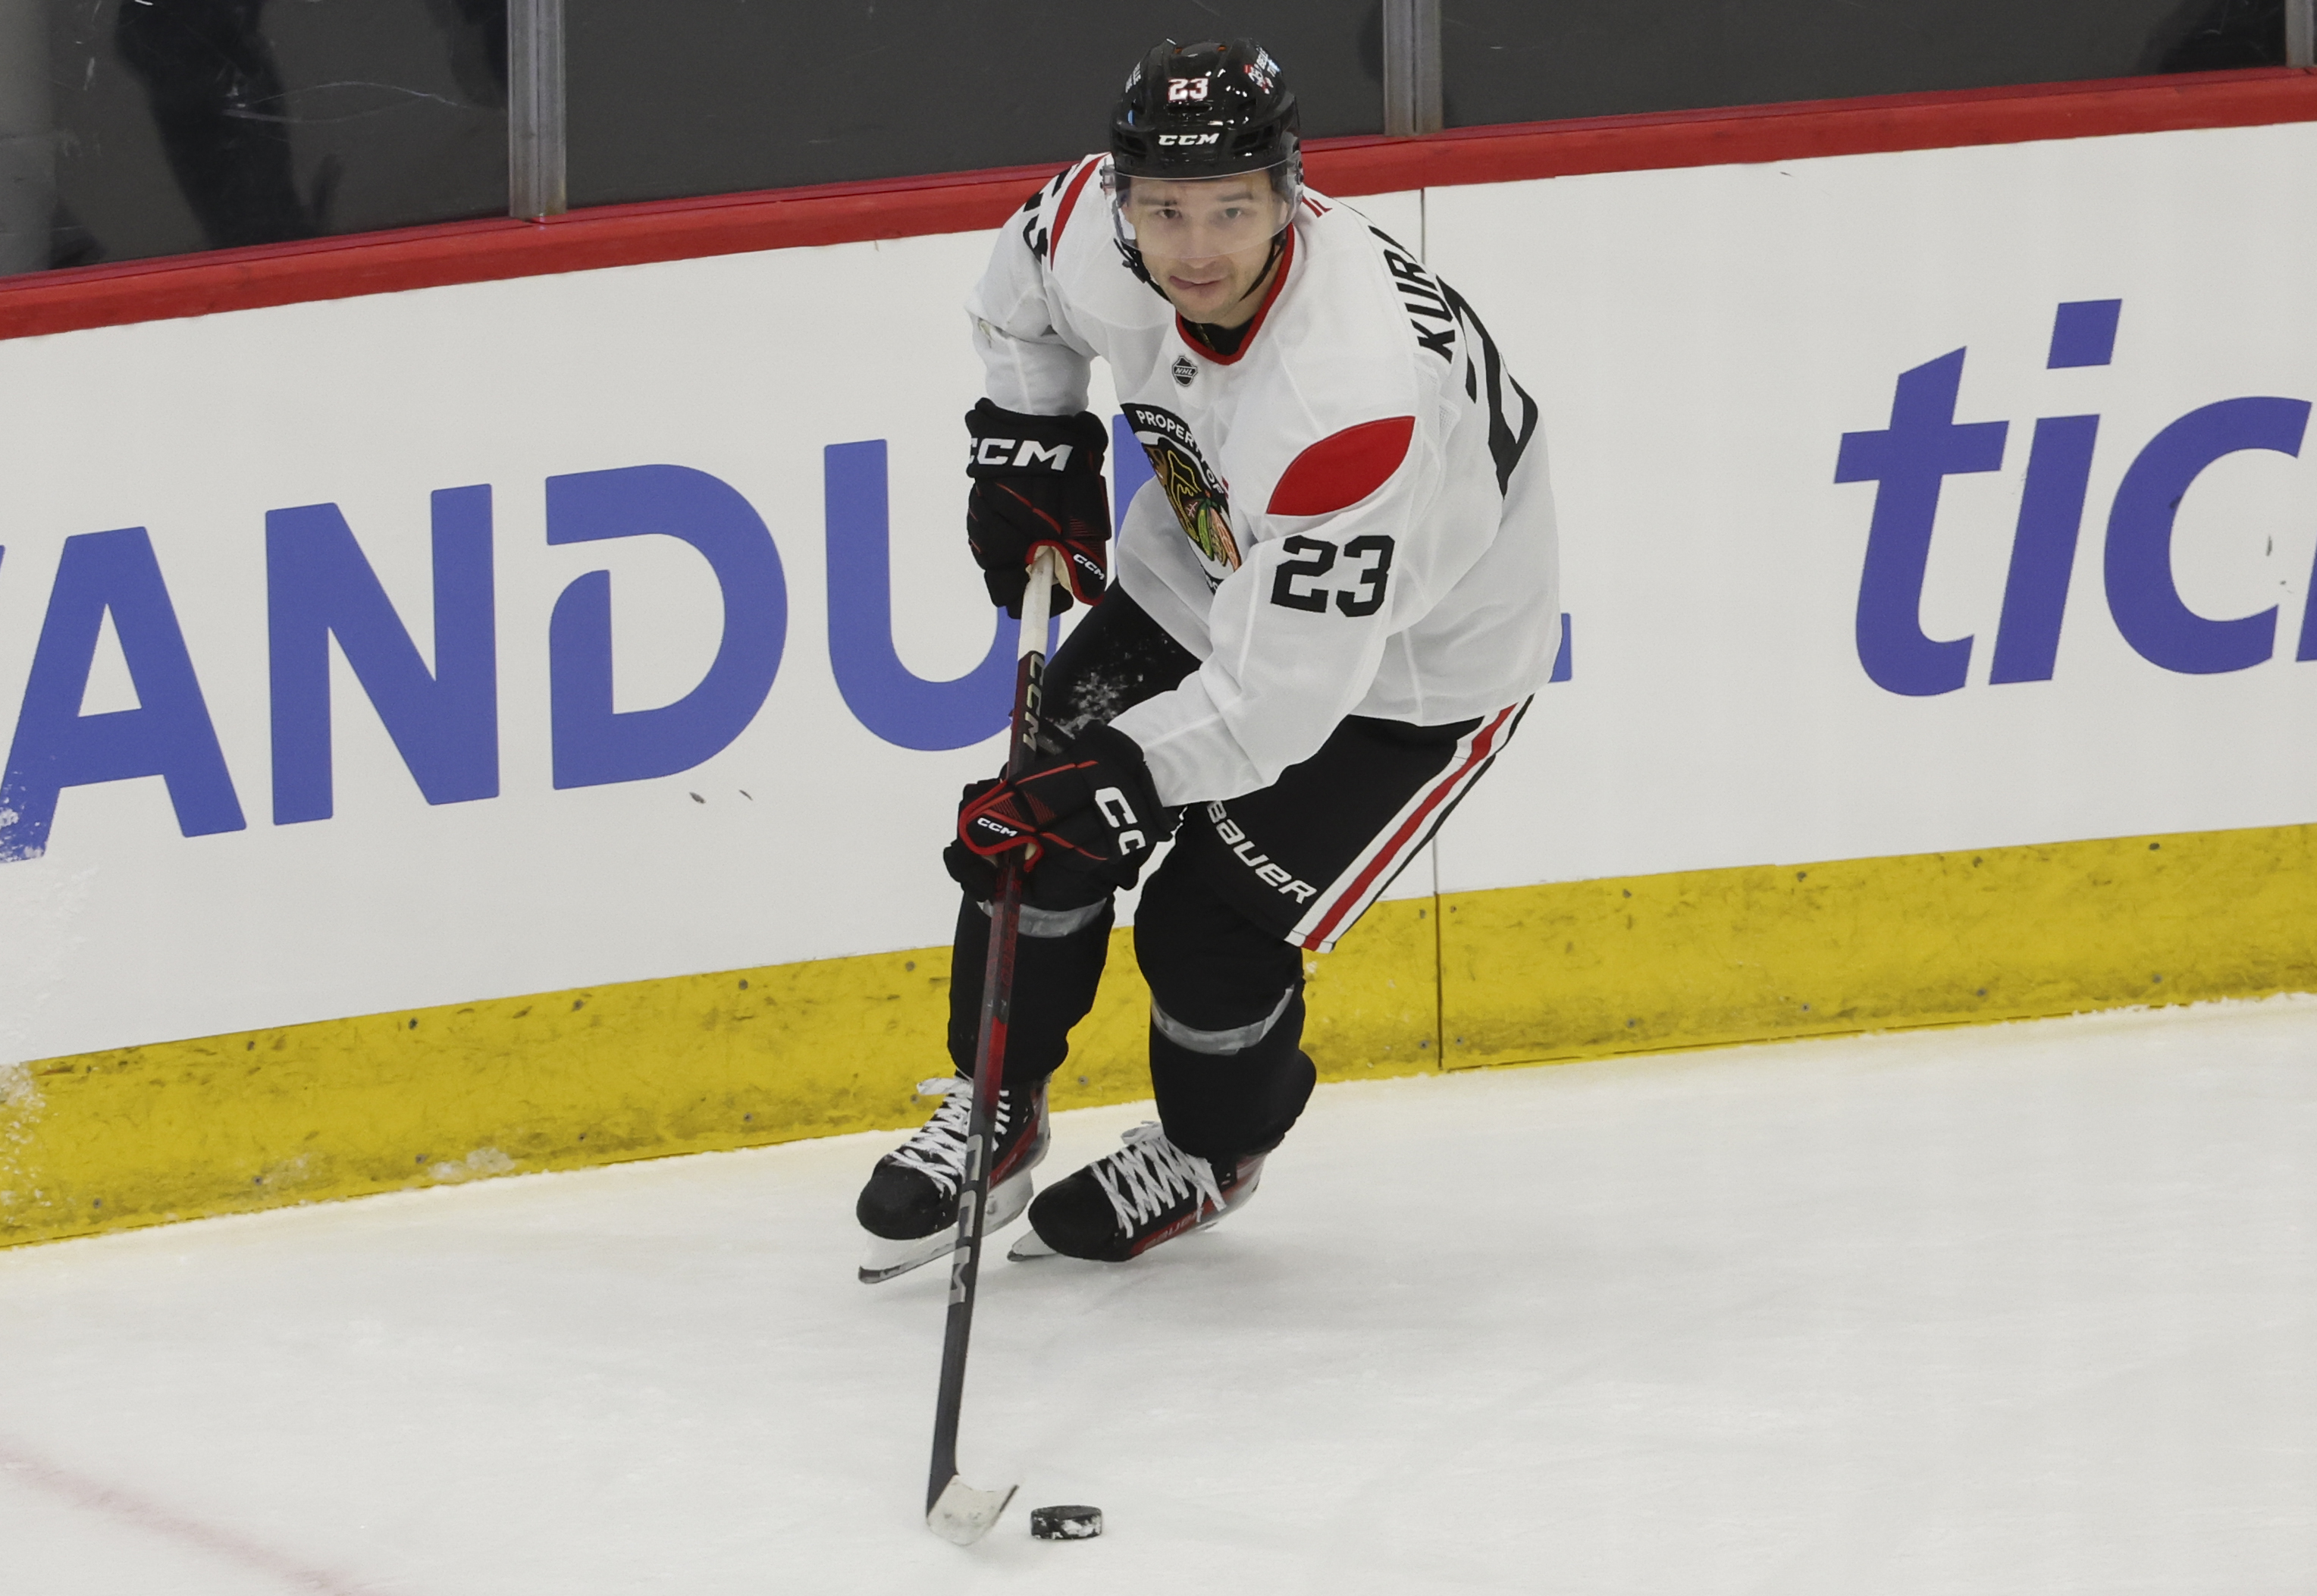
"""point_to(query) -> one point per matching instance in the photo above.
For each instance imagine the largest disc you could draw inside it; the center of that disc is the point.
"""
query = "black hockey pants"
(1227, 995)
(1226, 915)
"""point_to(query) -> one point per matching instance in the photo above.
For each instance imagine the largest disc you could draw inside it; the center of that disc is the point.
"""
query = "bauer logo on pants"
(1269, 873)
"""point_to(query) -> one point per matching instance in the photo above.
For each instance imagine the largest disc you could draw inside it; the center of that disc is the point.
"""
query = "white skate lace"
(938, 1148)
(1155, 1174)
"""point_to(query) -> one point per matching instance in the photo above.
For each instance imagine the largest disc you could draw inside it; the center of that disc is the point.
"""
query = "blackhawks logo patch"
(1201, 503)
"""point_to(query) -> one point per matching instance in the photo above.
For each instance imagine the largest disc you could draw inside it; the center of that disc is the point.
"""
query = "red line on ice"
(21, 1467)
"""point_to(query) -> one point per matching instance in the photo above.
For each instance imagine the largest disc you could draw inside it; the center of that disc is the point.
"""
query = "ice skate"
(1122, 1205)
(910, 1205)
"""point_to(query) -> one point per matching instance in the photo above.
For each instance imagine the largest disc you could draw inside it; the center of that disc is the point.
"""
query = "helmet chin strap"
(1136, 265)
(1278, 245)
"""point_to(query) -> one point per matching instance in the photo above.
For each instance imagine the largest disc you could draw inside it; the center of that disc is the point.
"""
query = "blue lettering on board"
(168, 734)
(1924, 445)
(593, 743)
(444, 721)
(2141, 593)
(883, 694)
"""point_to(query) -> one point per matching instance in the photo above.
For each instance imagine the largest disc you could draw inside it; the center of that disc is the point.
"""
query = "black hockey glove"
(1037, 483)
(1090, 810)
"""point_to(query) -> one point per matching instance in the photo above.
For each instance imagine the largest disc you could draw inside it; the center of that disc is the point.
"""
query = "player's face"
(1206, 242)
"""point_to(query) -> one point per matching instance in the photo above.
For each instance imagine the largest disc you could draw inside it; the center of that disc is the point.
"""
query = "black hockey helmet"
(1209, 109)
(1196, 111)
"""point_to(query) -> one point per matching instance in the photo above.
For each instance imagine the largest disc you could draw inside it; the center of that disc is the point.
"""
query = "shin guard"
(1057, 967)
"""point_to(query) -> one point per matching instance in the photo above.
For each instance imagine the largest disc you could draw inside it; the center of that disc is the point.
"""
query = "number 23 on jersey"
(1300, 586)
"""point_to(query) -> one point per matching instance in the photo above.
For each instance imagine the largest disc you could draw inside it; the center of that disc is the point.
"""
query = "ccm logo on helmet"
(1185, 88)
(1021, 453)
(1190, 138)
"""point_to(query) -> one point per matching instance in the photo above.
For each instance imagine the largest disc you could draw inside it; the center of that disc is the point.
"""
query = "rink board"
(551, 952)
(1532, 974)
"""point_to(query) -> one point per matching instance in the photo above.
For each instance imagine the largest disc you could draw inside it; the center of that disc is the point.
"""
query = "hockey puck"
(1066, 1524)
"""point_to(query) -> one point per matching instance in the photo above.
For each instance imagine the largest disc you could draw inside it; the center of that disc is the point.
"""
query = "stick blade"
(962, 1515)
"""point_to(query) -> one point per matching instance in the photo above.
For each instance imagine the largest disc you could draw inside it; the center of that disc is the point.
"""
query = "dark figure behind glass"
(218, 99)
(224, 113)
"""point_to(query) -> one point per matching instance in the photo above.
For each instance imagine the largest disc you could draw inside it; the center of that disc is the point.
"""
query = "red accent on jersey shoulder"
(1343, 468)
(1063, 211)
(1278, 281)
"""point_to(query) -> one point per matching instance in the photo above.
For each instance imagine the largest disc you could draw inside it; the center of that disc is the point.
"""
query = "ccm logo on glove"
(1023, 454)
(1091, 808)
(1037, 484)
(1114, 809)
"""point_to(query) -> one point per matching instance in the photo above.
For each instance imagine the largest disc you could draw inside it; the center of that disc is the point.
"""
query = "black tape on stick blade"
(1066, 1524)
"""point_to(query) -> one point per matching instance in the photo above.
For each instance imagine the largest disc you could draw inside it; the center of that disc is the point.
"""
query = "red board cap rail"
(839, 213)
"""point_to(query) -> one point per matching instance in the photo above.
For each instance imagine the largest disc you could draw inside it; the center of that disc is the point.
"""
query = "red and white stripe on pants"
(1343, 901)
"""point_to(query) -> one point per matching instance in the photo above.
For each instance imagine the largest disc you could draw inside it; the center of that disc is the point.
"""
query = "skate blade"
(962, 1515)
(1240, 1199)
(1029, 1245)
(886, 1258)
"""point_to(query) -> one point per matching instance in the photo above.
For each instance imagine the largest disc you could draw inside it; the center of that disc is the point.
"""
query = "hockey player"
(1332, 605)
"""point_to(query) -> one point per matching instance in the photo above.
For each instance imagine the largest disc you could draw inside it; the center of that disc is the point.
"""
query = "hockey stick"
(955, 1511)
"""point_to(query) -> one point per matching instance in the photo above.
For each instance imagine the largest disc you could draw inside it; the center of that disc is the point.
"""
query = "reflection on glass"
(136, 127)
(2215, 35)
(671, 97)
(218, 103)
(28, 150)
(1522, 60)
(165, 126)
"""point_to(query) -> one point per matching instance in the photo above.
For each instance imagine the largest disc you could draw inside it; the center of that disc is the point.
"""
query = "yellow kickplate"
(386, 1102)
(1584, 969)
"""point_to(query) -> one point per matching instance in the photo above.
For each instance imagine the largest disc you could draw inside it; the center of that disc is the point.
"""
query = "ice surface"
(2023, 1309)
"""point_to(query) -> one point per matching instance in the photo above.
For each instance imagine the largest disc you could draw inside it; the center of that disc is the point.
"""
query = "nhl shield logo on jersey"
(1200, 502)
(1184, 369)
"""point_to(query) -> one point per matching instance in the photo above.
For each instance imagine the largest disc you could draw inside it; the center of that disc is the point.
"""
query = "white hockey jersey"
(1350, 515)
